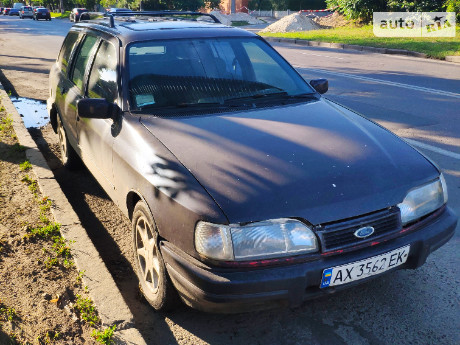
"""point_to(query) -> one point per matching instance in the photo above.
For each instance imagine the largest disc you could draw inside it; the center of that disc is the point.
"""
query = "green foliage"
(453, 6)
(86, 310)
(106, 336)
(59, 15)
(18, 148)
(25, 166)
(31, 183)
(80, 276)
(363, 9)
(6, 124)
(44, 232)
(358, 9)
(7, 313)
(282, 5)
(211, 4)
(415, 5)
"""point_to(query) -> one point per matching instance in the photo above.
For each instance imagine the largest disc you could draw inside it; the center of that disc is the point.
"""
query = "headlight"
(261, 240)
(423, 200)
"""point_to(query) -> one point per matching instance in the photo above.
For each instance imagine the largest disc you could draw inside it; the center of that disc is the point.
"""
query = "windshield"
(224, 71)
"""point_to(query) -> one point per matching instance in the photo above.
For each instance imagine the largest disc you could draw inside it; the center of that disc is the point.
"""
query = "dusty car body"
(215, 189)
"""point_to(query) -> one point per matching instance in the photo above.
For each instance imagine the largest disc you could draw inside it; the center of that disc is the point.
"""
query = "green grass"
(60, 15)
(436, 47)
(87, 310)
(25, 166)
(106, 336)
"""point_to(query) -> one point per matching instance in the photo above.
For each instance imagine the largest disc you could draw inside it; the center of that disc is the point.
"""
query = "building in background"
(241, 5)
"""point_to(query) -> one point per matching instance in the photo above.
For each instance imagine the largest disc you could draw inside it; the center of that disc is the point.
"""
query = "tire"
(68, 156)
(154, 281)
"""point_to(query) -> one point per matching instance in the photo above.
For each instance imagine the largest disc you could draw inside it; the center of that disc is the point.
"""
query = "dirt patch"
(39, 284)
(332, 21)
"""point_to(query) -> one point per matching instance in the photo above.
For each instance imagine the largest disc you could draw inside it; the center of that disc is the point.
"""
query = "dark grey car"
(246, 188)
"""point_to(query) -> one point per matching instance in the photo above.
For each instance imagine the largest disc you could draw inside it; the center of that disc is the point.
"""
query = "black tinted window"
(66, 50)
(103, 76)
(82, 60)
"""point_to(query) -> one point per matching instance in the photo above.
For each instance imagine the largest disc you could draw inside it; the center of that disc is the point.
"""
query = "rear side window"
(66, 50)
(81, 61)
(103, 76)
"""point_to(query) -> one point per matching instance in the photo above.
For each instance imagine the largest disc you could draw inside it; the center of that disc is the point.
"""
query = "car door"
(62, 70)
(73, 91)
(95, 136)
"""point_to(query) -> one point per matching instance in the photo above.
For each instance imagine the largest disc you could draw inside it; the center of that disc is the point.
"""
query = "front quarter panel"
(142, 164)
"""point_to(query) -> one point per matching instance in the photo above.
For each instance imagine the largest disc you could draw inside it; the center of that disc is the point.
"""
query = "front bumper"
(236, 290)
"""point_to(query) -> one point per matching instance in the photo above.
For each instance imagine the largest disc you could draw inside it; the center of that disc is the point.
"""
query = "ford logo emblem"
(364, 232)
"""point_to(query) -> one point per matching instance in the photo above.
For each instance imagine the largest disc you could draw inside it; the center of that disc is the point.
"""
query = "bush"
(415, 6)
(358, 9)
(453, 6)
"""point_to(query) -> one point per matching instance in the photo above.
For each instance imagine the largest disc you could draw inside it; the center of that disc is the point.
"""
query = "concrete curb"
(104, 292)
(356, 47)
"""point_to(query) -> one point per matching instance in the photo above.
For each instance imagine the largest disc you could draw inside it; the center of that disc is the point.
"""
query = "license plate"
(365, 268)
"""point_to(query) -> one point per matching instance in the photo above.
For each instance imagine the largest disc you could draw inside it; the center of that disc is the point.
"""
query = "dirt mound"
(334, 20)
(235, 17)
(292, 23)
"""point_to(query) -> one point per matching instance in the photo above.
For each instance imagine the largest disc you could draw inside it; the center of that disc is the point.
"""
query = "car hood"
(317, 161)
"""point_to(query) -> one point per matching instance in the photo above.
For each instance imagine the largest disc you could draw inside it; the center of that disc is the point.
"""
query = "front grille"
(339, 235)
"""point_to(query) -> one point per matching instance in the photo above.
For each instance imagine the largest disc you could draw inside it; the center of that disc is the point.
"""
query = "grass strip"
(436, 47)
(59, 15)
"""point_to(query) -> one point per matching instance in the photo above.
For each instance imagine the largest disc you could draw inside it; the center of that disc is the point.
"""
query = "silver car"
(26, 11)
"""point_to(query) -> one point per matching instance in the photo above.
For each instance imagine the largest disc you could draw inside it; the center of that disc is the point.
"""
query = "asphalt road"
(417, 99)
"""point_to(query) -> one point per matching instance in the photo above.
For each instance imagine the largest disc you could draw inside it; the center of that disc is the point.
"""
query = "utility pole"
(233, 6)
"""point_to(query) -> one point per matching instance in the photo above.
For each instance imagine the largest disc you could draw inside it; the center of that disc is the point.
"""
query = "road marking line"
(433, 148)
(385, 82)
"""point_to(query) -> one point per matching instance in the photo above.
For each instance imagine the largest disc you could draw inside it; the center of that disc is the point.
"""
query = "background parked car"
(18, 5)
(26, 11)
(117, 10)
(6, 10)
(36, 7)
(76, 13)
(42, 13)
(14, 12)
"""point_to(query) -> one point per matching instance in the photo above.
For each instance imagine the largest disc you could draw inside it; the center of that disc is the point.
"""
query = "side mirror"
(320, 85)
(96, 108)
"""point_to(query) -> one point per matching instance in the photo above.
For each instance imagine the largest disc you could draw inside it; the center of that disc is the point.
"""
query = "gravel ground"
(292, 23)
(235, 17)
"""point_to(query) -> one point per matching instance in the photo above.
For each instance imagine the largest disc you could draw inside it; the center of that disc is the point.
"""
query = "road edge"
(368, 49)
(110, 304)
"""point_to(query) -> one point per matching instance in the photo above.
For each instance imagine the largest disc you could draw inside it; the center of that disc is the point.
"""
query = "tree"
(211, 4)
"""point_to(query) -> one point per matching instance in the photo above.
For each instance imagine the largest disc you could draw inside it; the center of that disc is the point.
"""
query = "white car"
(26, 11)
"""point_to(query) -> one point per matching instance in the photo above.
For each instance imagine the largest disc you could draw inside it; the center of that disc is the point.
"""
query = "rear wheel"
(150, 268)
(69, 157)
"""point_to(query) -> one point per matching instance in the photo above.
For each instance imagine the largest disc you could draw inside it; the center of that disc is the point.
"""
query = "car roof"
(143, 30)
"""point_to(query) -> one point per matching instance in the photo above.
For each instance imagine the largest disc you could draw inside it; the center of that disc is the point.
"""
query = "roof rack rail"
(157, 14)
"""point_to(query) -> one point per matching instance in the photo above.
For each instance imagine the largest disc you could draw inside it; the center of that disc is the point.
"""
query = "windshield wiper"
(257, 96)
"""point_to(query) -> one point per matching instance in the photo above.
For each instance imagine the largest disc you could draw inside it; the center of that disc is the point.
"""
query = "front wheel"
(150, 268)
(69, 157)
